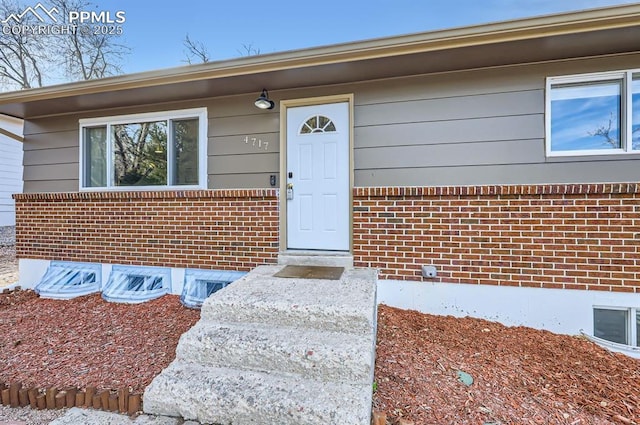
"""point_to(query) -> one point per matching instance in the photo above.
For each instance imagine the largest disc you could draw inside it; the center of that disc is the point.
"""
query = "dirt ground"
(520, 375)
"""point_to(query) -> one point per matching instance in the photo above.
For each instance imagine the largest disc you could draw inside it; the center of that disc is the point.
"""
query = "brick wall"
(224, 229)
(551, 236)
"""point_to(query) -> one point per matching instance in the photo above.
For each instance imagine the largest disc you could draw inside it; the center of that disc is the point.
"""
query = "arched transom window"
(317, 124)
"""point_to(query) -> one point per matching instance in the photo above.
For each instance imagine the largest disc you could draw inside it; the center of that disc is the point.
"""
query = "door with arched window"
(318, 177)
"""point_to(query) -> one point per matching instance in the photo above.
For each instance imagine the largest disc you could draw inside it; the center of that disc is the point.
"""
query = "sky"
(155, 31)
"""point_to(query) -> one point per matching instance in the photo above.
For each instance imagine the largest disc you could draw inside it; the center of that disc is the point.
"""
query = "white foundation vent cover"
(130, 284)
(65, 280)
(199, 284)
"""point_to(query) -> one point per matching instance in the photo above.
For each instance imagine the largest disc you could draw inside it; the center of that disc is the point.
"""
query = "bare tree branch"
(22, 54)
(247, 49)
(196, 51)
(26, 58)
(87, 53)
(605, 131)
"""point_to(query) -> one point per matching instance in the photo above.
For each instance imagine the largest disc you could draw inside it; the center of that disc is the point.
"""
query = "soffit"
(204, 82)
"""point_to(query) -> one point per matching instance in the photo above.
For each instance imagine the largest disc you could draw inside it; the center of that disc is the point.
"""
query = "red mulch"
(521, 375)
(88, 341)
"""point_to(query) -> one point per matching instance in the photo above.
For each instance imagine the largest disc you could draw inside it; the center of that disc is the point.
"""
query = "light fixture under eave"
(263, 102)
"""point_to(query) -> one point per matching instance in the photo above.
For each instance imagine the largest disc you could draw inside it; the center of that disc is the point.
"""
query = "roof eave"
(522, 29)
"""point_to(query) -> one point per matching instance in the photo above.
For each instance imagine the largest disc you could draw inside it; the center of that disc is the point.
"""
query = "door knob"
(289, 191)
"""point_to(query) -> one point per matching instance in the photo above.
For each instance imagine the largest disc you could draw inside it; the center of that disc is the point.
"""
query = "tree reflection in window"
(635, 109)
(140, 154)
(586, 116)
(317, 124)
(185, 145)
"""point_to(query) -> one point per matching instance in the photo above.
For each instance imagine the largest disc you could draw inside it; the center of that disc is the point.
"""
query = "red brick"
(168, 229)
(555, 236)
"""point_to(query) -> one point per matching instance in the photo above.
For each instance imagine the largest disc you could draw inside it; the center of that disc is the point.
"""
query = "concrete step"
(228, 396)
(344, 305)
(276, 350)
(335, 356)
(316, 258)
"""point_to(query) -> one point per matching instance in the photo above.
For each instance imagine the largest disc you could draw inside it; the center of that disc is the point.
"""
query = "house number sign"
(256, 142)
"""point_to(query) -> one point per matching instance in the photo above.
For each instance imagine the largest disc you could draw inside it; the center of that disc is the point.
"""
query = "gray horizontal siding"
(236, 145)
(51, 185)
(450, 155)
(53, 156)
(51, 172)
(244, 124)
(452, 131)
(452, 108)
(607, 171)
(51, 159)
(240, 181)
(471, 127)
(53, 140)
(51, 125)
(242, 164)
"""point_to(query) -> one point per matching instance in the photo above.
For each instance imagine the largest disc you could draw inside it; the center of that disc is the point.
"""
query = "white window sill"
(603, 152)
(142, 188)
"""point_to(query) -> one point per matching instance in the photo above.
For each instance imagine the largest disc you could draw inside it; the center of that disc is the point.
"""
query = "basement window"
(200, 284)
(66, 280)
(144, 151)
(128, 284)
(619, 325)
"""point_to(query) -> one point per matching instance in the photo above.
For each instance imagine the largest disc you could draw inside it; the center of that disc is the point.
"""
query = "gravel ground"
(7, 235)
(8, 261)
(28, 416)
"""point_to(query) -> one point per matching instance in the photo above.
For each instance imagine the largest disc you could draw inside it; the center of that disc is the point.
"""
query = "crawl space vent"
(128, 284)
(199, 284)
(65, 280)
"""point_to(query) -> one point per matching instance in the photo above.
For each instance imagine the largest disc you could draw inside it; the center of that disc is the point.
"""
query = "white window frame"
(46, 289)
(626, 77)
(192, 300)
(131, 296)
(200, 113)
(632, 335)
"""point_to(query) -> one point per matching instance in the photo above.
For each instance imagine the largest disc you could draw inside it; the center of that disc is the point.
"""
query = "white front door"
(318, 177)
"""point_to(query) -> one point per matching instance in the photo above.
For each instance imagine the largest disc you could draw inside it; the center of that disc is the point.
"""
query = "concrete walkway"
(276, 350)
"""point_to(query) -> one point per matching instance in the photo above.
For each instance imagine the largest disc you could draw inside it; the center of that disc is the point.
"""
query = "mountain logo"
(39, 11)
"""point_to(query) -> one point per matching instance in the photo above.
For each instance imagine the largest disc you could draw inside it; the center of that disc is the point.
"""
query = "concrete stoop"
(316, 258)
(276, 350)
